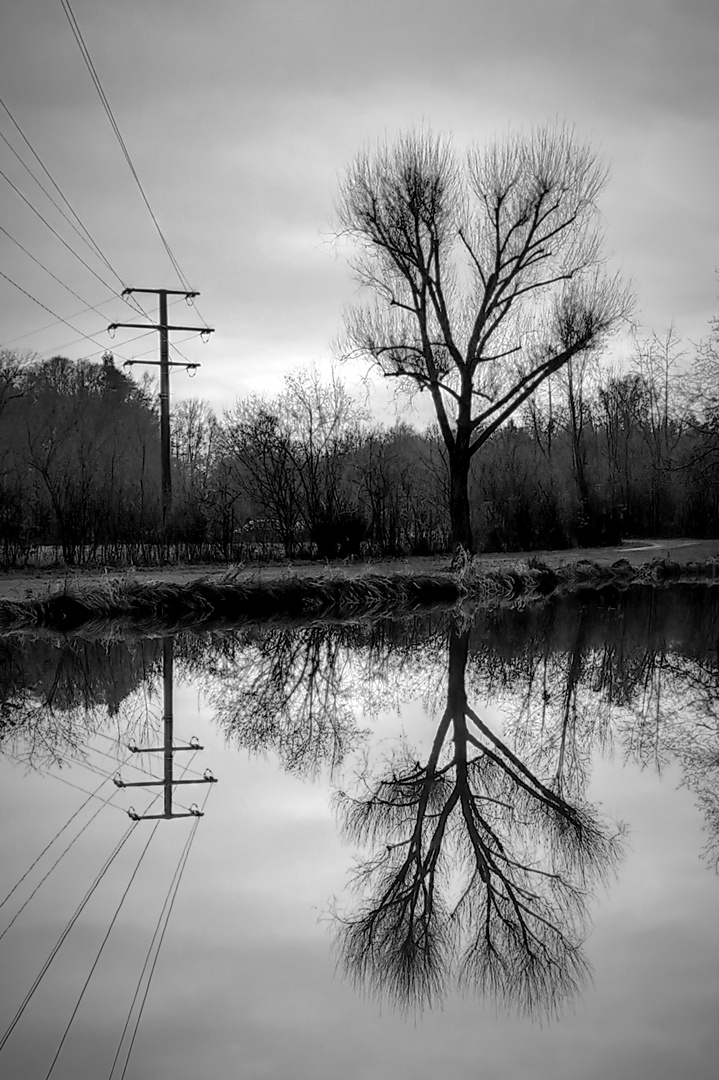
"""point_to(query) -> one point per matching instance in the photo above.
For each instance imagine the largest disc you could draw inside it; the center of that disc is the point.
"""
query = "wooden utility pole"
(164, 364)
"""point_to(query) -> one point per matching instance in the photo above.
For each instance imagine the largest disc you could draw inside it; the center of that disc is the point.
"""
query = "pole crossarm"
(192, 745)
(157, 326)
(188, 294)
(162, 817)
(208, 778)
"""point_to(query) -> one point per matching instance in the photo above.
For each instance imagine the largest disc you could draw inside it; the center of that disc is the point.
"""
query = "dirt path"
(30, 582)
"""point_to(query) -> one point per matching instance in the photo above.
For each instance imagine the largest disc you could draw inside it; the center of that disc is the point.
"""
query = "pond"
(462, 844)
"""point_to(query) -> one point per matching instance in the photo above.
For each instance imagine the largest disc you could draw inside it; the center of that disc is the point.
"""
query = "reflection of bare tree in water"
(290, 697)
(481, 869)
(300, 692)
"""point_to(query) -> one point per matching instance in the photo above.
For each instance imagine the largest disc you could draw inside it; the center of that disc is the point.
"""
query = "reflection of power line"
(168, 750)
(58, 945)
(58, 834)
(154, 948)
(100, 951)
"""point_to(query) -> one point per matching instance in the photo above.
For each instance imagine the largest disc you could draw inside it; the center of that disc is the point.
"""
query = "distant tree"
(323, 421)
(487, 277)
(73, 446)
(290, 455)
(257, 451)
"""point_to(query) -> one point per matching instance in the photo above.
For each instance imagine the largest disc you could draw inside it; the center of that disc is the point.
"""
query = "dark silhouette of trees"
(593, 456)
(486, 276)
(76, 447)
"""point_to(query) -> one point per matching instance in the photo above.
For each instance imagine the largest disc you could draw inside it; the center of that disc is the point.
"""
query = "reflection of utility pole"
(164, 364)
(167, 749)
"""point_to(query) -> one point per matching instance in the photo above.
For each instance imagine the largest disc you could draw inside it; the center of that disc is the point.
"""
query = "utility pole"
(168, 749)
(164, 363)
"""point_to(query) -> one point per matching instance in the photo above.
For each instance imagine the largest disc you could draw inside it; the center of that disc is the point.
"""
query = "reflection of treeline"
(596, 457)
(622, 624)
(263, 678)
(625, 626)
(55, 693)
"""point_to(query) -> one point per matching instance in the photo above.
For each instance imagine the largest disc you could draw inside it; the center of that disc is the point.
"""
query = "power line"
(113, 123)
(59, 319)
(83, 232)
(77, 33)
(49, 326)
(57, 349)
(51, 312)
(90, 307)
(57, 234)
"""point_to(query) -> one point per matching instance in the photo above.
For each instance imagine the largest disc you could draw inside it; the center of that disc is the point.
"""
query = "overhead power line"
(77, 33)
(57, 322)
(53, 313)
(101, 348)
(89, 307)
(80, 229)
(83, 232)
(54, 231)
(113, 123)
(57, 349)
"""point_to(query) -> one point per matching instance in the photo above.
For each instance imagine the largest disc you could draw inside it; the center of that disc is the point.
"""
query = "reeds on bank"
(166, 607)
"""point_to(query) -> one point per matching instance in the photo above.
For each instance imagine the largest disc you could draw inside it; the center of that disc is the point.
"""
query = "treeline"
(599, 456)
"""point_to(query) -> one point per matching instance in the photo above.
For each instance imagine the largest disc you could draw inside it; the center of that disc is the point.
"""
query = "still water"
(464, 845)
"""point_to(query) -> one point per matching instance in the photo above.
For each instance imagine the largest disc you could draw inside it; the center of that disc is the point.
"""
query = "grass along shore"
(155, 605)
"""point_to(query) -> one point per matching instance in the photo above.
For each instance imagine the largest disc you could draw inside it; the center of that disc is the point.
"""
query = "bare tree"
(487, 276)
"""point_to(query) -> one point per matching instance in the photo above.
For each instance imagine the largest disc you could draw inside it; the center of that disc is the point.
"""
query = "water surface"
(468, 846)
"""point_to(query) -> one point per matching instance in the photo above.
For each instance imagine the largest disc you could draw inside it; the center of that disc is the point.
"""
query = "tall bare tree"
(487, 274)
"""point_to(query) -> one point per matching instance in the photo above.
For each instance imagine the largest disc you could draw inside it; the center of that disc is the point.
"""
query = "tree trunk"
(459, 515)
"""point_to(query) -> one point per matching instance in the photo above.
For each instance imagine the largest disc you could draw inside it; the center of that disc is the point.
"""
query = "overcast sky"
(239, 117)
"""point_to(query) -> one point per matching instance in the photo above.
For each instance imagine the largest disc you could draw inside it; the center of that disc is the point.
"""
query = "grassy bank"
(163, 606)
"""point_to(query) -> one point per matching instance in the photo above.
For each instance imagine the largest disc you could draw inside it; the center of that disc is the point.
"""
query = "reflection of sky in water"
(246, 983)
